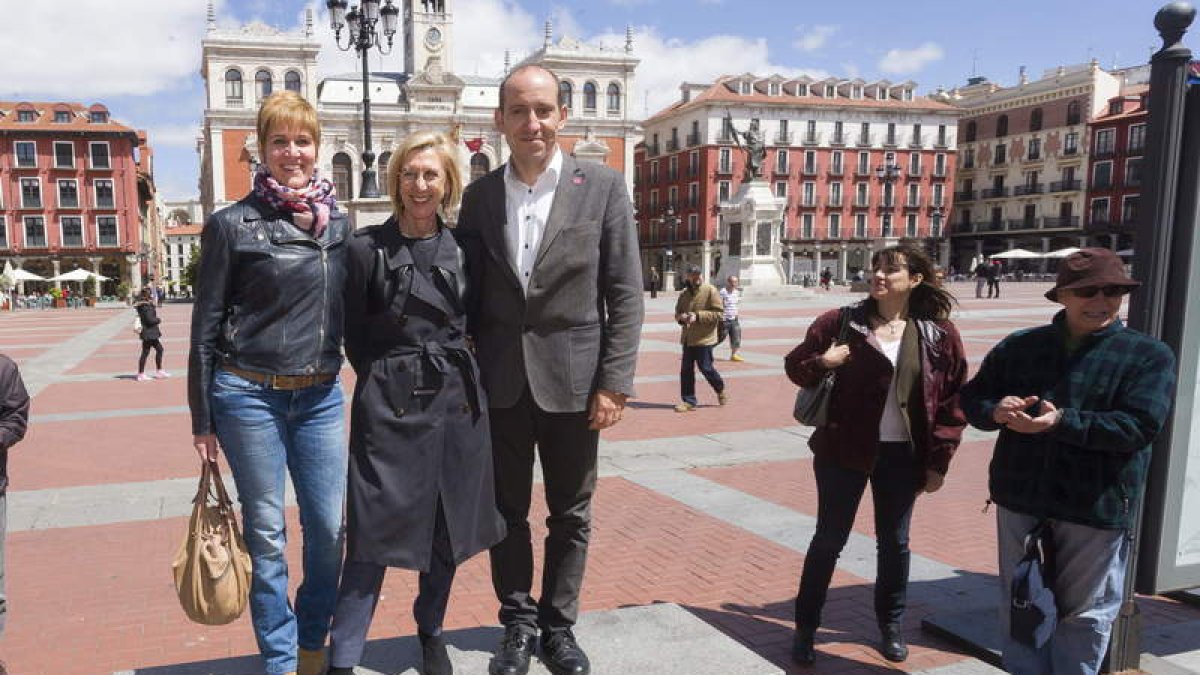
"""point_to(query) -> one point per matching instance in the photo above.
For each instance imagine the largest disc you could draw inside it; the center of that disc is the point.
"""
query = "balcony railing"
(1028, 189)
(968, 163)
(835, 171)
(809, 170)
(784, 138)
(1103, 153)
(837, 139)
(1023, 224)
(812, 139)
(1033, 157)
(652, 149)
(725, 138)
(1136, 148)
(941, 142)
(809, 202)
(939, 173)
(915, 142)
(993, 193)
(724, 169)
(1105, 184)
(891, 141)
(673, 145)
(1059, 222)
(861, 202)
(1000, 160)
(913, 174)
(1073, 150)
(1065, 185)
(862, 171)
(1133, 181)
(863, 140)
(912, 204)
(693, 138)
(965, 196)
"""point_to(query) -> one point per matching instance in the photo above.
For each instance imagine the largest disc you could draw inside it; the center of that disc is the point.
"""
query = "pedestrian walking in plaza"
(894, 422)
(263, 376)
(14, 419)
(1077, 403)
(421, 490)
(655, 280)
(556, 314)
(827, 279)
(994, 270)
(981, 277)
(698, 311)
(151, 336)
(731, 298)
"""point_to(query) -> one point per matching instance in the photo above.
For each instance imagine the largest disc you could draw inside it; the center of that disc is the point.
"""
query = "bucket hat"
(1091, 268)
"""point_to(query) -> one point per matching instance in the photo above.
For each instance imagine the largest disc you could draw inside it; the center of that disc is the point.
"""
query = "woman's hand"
(206, 447)
(835, 356)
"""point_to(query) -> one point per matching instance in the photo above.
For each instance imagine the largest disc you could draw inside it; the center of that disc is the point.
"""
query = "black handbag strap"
(843, 325)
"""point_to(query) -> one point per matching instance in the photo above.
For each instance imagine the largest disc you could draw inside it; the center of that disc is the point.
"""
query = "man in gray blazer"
(555, 310)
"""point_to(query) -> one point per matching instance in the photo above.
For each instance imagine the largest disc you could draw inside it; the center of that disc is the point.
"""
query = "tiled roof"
(720, 93)
(183, 230)
(79, 120)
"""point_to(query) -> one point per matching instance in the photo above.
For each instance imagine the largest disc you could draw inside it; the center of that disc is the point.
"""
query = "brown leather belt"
(283, 382)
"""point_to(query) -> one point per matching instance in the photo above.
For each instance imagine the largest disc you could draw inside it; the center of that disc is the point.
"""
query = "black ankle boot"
(803, 652)
(892, 644)
(435, 660)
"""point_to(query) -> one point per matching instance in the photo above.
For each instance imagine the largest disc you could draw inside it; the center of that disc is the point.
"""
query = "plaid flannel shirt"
(1114, 390)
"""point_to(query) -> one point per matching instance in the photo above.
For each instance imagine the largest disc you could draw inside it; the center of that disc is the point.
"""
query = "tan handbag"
(212, 567)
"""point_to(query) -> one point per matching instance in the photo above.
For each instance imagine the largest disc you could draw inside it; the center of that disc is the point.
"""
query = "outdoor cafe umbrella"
(17, 274)
(1017, 254)
(1061, 253)
(78, 274)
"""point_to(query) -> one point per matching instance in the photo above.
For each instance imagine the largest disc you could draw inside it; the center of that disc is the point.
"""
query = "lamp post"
(887, 172)
(670, 220)
(363, 34)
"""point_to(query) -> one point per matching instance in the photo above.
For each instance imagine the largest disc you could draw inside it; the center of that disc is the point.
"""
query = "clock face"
(433, 38)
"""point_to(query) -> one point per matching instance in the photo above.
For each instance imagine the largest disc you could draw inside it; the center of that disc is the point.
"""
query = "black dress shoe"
(435, 660)
(892, 645)
(803, 652)
(340, 671)
(562, 654)
(512, 658)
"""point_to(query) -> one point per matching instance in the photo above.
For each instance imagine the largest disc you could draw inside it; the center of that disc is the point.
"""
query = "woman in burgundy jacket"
(894, 422)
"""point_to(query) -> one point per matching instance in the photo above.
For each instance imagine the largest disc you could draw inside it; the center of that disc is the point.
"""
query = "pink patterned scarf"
(309, 205)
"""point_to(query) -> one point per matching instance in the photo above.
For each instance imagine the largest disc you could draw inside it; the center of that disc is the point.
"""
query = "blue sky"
(152, 81)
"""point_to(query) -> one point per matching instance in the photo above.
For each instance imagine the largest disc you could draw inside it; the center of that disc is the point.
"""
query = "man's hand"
(1009, 407)
(933, 480)
(206, 447)
(1047, 418)
(606, 409)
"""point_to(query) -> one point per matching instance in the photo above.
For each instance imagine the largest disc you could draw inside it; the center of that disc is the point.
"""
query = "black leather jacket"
(268, 299)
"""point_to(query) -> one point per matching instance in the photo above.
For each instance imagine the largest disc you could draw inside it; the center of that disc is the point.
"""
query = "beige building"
(1022, 161)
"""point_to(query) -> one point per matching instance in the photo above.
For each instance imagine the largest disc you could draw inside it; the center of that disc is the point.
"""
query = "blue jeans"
(839, 490)
(698, 357)
(267, 434)
(1088, 587)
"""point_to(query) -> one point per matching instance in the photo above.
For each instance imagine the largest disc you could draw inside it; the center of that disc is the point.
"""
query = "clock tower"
(427, 26)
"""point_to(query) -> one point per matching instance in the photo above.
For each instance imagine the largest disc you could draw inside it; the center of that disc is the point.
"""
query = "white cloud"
(813, 38)
(53, 51)
(665, 64)
(904, 61)
(173, 135)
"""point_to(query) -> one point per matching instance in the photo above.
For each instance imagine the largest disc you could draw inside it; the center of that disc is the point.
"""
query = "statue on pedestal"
(756, 150)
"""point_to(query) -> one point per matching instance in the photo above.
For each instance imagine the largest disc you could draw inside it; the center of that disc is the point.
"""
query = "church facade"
(241, 66)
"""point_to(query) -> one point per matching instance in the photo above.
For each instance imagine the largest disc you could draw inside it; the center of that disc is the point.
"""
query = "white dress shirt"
(527, 210)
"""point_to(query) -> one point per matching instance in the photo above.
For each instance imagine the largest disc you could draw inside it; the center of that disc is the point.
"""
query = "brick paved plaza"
(710, 510)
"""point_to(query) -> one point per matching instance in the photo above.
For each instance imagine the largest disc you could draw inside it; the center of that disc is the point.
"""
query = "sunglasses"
(1091, 291)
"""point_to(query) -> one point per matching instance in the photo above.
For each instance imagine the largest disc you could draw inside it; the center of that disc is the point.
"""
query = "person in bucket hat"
(1078, 403)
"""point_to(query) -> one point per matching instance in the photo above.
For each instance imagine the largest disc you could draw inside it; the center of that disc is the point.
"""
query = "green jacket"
(1115, 391)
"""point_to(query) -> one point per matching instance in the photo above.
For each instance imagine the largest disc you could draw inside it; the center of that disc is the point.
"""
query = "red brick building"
(74, 186)
(861, 165)
(1115, 169)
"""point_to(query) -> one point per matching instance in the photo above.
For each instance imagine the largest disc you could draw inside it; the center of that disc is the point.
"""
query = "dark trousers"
(894, 489)
(158, 354)
(702, 358)
(358, 595)
(566, 449)
(993, 288)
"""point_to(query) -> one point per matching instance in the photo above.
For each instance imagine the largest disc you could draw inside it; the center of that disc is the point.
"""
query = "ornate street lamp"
(364, 33)
(670, 220)
(888, 173)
